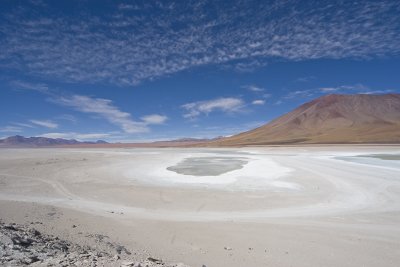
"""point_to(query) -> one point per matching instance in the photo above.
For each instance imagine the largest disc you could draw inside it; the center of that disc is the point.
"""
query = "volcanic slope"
(360, 118)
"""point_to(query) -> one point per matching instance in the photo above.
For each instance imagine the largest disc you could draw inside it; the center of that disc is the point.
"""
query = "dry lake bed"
(261, 206)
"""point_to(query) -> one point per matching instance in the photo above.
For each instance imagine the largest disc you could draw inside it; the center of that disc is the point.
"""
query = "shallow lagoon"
(384, 156)
(208, 166)
(381, 160)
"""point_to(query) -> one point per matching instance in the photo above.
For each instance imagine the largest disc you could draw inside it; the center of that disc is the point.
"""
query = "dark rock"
(121, 249)
(32, 259)
(154, 260)
(10, 227)
(25, 242)
(34, 232)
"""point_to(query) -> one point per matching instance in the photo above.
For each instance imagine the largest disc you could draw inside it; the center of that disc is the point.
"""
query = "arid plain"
(258, 206)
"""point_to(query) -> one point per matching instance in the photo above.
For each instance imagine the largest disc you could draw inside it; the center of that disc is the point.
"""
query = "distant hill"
(182, 142)
(189, 140)
(332, 118)
(20, 141)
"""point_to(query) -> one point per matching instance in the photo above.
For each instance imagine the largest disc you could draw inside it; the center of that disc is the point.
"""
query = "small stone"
(33, 258)
(127, 263)
(227, 248)
(10, 227)
(116, 257)
(34, 232)
(154, 260)
(25, 242)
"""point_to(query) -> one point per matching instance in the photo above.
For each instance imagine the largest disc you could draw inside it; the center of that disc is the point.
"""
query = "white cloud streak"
(154, 119)
(379, 92)
(227, 105)
(342, 89)
(253, 88)
(68, 117)
(45, 123)
(125, 48)
(29, 86)
(305, 79)
(258, 102)
(10, 129)
(300, 94)
(23, 124)
(105, 109)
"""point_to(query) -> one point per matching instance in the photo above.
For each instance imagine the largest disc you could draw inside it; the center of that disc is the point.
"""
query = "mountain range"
(20, 141)
(360, 118)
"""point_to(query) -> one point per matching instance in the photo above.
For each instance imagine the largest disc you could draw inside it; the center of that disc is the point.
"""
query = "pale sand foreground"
(289, 206)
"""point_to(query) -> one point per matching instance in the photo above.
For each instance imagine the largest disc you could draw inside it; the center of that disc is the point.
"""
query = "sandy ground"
(287, 206)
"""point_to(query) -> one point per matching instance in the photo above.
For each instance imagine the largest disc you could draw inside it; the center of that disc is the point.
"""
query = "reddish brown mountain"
(330, 119)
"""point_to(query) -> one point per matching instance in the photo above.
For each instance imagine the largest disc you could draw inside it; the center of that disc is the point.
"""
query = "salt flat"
(275, 206)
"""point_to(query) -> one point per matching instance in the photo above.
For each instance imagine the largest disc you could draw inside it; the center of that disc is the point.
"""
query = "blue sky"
(151, 70)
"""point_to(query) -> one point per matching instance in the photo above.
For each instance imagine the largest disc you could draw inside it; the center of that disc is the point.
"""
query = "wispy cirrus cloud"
(299, 94)
(356, 88)
(253, 88)
(379, 91)
(121, 47)
(227, 105)
(105, 109)
(10, 129)
(45, 123)
(40, 87)
(245, 65)
(68, 117)
(306, 93)
(21, 124)
(258, 102)
(305, 79)
(154, 119)
(343, 88)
